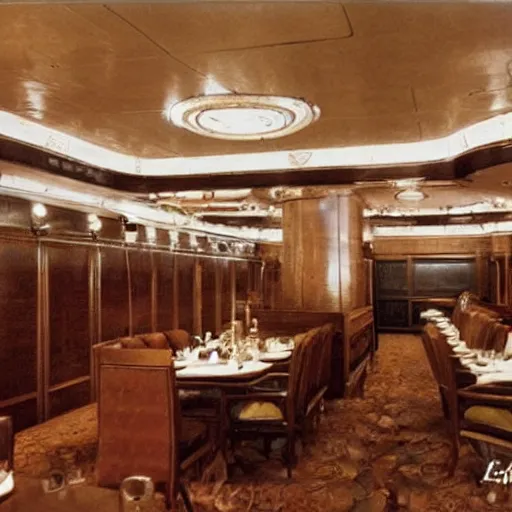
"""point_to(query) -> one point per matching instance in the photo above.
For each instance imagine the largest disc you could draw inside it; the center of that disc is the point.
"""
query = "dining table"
(217, 377)
(194, 371)
(487, 369)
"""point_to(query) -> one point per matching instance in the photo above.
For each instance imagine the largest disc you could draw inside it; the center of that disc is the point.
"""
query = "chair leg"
(267, 445)
(444, 405)
(290, 454)
(455, 454)
(171, 504)
(186, 498)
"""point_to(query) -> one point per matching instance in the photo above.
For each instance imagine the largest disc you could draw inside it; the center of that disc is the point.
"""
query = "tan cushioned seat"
(490, 416)
(156, 340)
(178, 339)
(257, 411)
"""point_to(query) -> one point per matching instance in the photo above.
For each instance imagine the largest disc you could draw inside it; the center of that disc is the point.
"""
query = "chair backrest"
(138, 416)
(298, 376)
(480, 329)
(499, 336)
(325, 366)
(310, 369)
(447, 377)
(427, 337)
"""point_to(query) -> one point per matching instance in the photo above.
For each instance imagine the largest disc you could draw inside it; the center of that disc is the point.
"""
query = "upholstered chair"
(141, 430)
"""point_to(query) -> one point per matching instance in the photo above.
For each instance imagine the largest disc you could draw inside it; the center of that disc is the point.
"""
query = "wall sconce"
(174, 239)
(151, 235)
(94, 224)
(193, 242)
(130, 231)
(39, 224)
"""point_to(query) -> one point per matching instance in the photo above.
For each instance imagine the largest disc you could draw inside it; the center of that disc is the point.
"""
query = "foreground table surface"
(28, 496)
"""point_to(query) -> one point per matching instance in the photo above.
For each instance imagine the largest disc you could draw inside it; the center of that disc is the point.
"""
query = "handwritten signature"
(498, 473)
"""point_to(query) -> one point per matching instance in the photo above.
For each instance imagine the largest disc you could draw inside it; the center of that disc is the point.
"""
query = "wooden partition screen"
(353, 343)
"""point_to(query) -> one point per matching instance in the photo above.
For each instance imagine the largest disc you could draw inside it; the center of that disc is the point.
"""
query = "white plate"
(432, 314)
(462, 350)
(180, 364)
(275, 356)
(6, 483)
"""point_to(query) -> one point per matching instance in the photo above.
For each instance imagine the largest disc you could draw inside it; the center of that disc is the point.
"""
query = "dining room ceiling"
(380, 73)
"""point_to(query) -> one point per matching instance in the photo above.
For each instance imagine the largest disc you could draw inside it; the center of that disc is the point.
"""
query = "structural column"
(323, 261)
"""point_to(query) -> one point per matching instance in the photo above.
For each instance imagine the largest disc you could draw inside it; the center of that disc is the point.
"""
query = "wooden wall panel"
(501, 244)
(164, 264)
(242, 280)
(393, 313)
(23, 414)
(323, 265)
(68, 279)
(431, 245)
(114, 293)
(443, 278)
(186, 292)
(72, 397)
(209, 295)
(392, 278)
(18, 327)
(321, 271)
(225, 284)
(140, 273)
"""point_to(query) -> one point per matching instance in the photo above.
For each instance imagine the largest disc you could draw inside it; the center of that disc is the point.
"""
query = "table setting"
(231, 355)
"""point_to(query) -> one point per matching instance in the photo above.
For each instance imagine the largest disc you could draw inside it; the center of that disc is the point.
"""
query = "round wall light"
(412, 195)
(39, 210)
(243, 117)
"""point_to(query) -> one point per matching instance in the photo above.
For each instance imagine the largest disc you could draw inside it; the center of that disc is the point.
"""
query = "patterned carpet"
(388, 451)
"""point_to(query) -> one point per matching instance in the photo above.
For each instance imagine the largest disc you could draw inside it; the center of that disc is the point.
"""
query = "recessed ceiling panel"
(195, 27)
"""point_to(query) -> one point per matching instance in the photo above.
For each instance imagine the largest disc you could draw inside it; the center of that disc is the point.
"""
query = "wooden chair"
(429, 337)
(141, 431)
(271, 410)
(481, 413)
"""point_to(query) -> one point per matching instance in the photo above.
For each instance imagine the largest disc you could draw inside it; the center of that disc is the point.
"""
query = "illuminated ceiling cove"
(487, 132)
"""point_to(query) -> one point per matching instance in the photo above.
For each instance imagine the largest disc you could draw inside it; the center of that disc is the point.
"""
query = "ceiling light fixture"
(411, 194)
(244, 116)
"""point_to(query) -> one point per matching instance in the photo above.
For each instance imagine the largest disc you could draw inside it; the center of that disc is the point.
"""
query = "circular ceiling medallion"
(243, 117)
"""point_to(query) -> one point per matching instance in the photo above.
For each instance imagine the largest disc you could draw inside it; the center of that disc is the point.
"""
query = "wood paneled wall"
(60, 295)
(430, 245)
(500, 270)
(412, 270)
